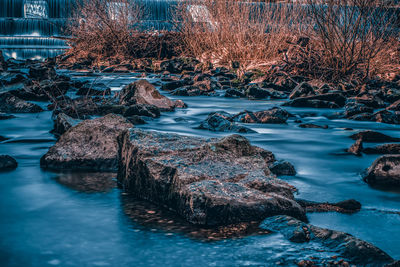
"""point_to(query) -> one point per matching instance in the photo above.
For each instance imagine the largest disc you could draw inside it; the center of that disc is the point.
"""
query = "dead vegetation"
(331, 41)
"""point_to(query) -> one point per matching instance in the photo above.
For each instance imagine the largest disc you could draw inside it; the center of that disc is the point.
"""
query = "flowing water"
(64, 219)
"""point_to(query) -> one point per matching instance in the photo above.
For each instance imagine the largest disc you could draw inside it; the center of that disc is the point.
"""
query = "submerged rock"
(383, 149)
(204, 180)
(345, 206)
(347, 246)
(12, 104)
(311, 125)
(90, 145)
(4, 116)
(385, 171)
(142, 92)
(7, 163)
(220, 122)
(374, 137)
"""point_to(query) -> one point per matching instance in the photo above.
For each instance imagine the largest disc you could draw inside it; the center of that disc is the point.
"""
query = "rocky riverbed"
(295, 156)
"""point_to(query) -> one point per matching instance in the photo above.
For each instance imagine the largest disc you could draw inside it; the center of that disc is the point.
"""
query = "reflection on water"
(46, 221)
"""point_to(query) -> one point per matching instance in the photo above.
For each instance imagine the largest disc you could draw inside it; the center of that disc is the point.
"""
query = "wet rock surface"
(202, 180)
(12, 104)
(345, 206)
(222, 122)
(373, 137)
(62, 123)
(142, 92)
(90, 145)
(273, 115)
(349, 248)
(7, 163)
(384, 171)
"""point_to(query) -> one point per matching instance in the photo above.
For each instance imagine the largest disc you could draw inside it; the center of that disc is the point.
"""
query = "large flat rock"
(207, 181)
(90, 145)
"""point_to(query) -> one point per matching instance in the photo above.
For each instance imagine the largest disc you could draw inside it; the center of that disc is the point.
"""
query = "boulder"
(353, 108)
(90, 145)
(384, 171)
(387, 116)
(254, 91)
(142, 92)
(220, 122)
(12, 104)
(354, 250)
(62, 123)
(7, 163)
(206, 181)
(356, 148)
(177, 65)
(273, 115)
(282, 167)
(43, 90)
(330, 100)
(234, 93)
(172, 85)
(373, 137)
(142, 110)
(198, 88)
(41, 72)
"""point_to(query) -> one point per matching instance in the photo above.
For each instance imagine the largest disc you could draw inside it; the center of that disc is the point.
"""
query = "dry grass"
(223, 32)
(102, 31)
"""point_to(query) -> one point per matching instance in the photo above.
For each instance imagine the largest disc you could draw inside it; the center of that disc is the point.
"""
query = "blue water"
(48, 219)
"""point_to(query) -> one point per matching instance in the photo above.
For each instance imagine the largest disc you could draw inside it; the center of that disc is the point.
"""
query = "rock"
(282, 167)
(220, 122)
(330, 100)
(7, 163)
(395, 106)
(98, 89)
(90, 145)
(4, 116)
(373, 137)
(62, 123)
(356, 148)
(273, 115)
(354, 108)
(12, 104)
(347, 246)
(386, 116)
(3, 63)
(370, 101)
(41, 72)
(234, 93)
(302, 90)
(346, 206)
(172, 85)
(43, 90)
(177, 65)
(180, 104)
(383, 149)
(198, 88)
(311, 125)
(136, 120)
(143, 110)
(142, 92)
(200, 179)
(254, 91)
(385, 171)
(9, 78)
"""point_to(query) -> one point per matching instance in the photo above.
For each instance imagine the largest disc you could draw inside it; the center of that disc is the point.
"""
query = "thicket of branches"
(330, 39)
